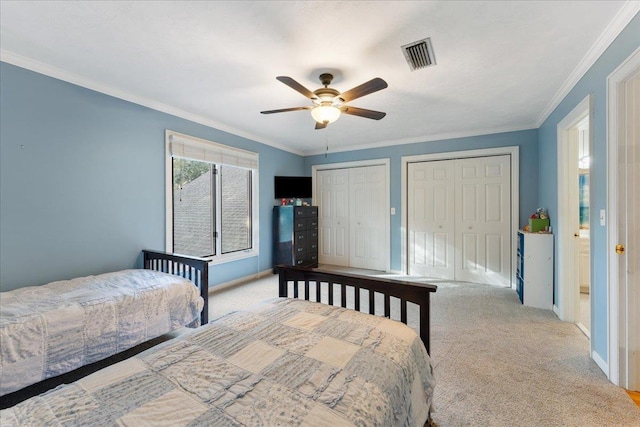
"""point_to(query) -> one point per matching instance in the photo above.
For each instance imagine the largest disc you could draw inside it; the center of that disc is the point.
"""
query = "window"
(211, 199)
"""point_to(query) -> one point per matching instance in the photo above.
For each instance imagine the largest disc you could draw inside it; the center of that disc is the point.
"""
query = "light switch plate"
(603, 221)
(393, 211)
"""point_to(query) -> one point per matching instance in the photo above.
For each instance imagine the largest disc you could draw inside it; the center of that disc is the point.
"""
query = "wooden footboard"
(325, 281)
(191, 268)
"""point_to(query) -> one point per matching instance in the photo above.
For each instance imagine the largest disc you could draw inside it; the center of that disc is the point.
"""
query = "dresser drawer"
(312, 260)
(305, 212)
(301, 238)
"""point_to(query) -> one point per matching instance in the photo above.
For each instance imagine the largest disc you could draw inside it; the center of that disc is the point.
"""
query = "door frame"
(619, 76)
(567, 303)
(386, 162)
(513, 151)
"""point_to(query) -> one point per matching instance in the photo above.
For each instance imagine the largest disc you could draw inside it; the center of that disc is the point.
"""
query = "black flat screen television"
(292, 187)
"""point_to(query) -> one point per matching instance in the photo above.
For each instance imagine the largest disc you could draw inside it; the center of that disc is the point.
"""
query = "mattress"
(284, 362)
(52, 329)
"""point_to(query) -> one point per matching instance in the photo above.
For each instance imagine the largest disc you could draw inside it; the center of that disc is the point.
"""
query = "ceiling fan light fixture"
(325, 113)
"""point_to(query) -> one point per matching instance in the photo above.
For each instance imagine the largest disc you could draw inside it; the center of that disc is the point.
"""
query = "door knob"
(620, 249)
(576, 234)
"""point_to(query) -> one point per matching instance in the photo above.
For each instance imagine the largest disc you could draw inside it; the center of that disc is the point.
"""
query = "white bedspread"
(283, 363)
(52, 329)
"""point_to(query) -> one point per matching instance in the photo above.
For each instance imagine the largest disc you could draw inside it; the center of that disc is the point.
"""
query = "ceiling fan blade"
(321, 125)
(371, 86)
(284, 110)
(363, 112)
(297, 86)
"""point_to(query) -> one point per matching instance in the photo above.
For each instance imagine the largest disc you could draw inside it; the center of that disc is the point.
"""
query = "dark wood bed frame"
(194, 269)
(197, 270)
(405, 291)
(191, 268)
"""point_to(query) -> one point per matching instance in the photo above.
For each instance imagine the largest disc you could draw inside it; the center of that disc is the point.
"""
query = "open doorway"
(584, 238)
(574, 300)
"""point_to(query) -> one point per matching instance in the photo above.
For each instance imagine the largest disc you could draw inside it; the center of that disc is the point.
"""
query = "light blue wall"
(82, 181)
(593, 82)
(526, 140)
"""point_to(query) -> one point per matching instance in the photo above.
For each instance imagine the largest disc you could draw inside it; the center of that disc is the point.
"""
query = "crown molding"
(78, 80)
(419, 139)
(621, 20)
(60, 74)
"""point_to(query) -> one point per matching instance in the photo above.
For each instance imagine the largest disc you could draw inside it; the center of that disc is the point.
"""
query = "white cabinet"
(534, 272)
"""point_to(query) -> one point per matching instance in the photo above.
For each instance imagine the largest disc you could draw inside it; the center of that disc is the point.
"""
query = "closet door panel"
(483, 208)
(431, 219)
(333, 196)
(367, 186)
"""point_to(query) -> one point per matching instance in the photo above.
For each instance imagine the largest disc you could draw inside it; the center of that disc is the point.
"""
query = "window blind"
(193, 148)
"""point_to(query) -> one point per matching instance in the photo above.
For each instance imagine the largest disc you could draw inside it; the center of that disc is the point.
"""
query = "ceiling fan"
(328, 103)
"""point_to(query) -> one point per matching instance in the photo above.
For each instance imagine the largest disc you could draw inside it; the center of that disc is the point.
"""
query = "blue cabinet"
(295, 235)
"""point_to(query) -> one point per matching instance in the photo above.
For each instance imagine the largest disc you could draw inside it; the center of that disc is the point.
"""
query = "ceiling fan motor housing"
(326, 94)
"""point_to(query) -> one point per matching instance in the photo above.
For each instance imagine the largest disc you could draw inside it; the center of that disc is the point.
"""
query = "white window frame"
(219, 154)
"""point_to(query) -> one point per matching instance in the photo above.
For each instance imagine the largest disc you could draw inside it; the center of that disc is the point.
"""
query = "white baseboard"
(555, 310)
(601, 363)
(584, 330)
(236, 282)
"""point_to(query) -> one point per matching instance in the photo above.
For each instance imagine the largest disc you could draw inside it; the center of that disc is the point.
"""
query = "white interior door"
(333, 195)
(430, 218)
(459, 219)
(482, 213)
(629, 233)
(367, 244)
(623, 227)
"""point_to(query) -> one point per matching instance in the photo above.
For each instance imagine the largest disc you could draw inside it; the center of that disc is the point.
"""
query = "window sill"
(234, 256)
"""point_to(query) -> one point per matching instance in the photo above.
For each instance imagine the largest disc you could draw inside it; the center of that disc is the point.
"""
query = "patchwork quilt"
(285, 362)
(52, 329)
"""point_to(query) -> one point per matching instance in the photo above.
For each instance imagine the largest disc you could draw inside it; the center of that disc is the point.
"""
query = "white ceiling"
(501, 65)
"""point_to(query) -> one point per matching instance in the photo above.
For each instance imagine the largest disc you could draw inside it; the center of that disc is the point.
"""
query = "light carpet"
(497, 362)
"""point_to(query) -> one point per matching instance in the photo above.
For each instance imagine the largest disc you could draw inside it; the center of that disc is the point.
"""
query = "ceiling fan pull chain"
(326, 140)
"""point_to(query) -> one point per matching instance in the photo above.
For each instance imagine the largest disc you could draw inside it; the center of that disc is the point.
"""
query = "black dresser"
(295, 235)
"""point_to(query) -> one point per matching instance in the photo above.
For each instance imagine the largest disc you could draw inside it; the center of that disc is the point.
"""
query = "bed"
(56, 328)
(286, 361)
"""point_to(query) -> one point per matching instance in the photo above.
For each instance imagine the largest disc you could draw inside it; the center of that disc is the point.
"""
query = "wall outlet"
(393, 211)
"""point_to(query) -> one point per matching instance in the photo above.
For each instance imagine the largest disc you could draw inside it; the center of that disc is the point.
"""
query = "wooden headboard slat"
(405, 292)
(182, 265)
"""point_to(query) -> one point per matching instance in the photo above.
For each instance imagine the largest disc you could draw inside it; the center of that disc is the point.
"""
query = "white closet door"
(333, 197)
(483, 211)
(367, 248)
(431, 219)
